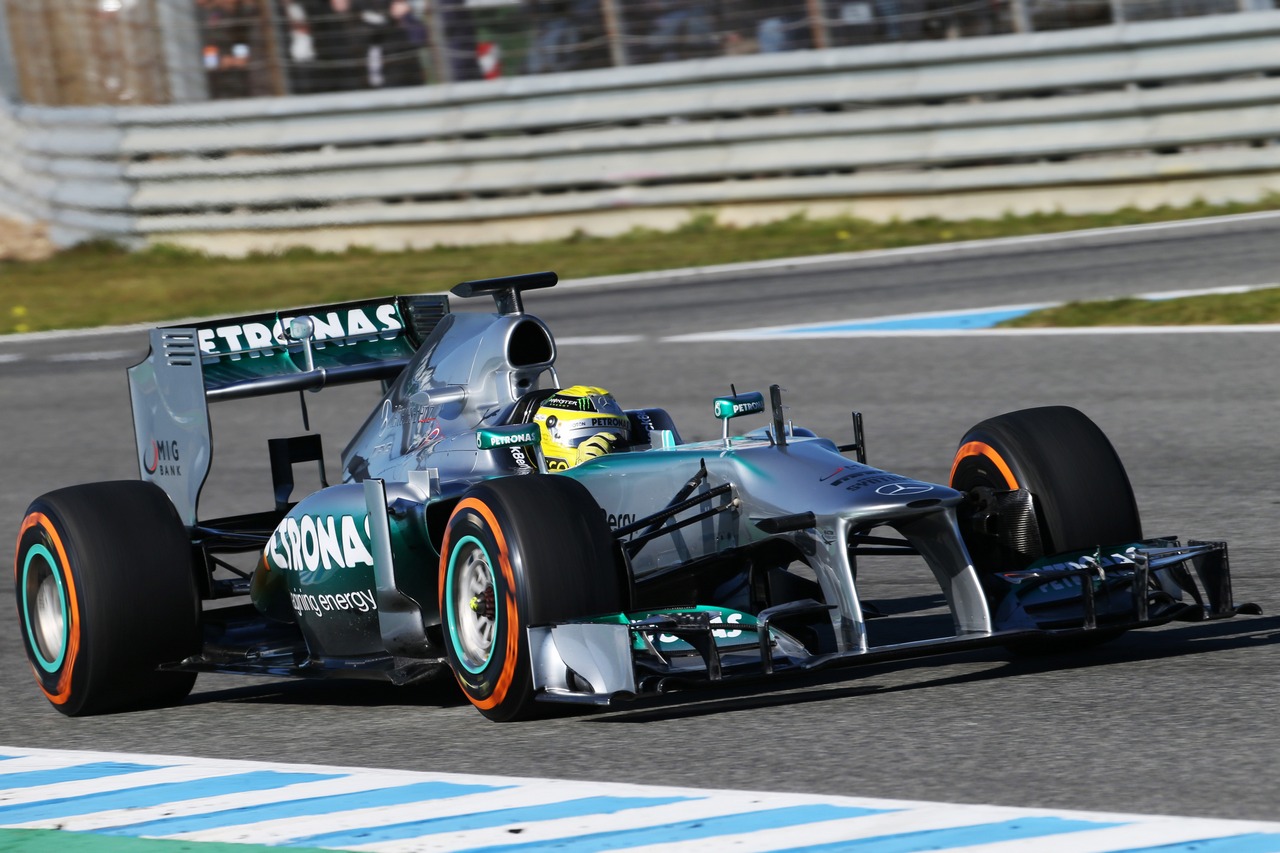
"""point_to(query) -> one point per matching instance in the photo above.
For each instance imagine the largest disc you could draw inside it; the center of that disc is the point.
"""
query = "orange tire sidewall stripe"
(980, 448)
(510, 607)
(62, 690)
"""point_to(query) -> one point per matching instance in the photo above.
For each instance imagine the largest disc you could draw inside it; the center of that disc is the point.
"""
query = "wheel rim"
(44, 608)
(472, 604)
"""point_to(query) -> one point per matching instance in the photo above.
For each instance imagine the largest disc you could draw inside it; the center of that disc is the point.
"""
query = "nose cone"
(917, 492)
(892, 496)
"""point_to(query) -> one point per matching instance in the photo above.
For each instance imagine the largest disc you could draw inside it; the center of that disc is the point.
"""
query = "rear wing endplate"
(252, 356)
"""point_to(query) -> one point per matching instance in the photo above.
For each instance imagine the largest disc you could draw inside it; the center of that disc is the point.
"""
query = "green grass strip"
(59, 841)
(1219, 309)
(101, 284)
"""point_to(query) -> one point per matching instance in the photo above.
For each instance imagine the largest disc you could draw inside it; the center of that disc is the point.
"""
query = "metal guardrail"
(1158, 101)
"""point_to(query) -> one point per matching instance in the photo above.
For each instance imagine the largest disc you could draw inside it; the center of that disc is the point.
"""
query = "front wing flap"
(628, 656)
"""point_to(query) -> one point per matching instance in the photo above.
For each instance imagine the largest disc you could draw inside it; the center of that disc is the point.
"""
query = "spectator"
(460, 36)
(228, 30)
(567, 35)
(401, 40)
(682, 30)
(341, 40)
(739, 22)
(553, 37)
(889, 13)
(300, 47)
(784, 26)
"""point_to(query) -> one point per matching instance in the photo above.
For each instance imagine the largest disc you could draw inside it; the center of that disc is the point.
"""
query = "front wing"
(628, 656)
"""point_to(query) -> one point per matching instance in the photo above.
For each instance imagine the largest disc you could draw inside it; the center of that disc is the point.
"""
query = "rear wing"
(258, 355)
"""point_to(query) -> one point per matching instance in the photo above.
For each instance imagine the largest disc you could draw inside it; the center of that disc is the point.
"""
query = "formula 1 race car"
(659, 566)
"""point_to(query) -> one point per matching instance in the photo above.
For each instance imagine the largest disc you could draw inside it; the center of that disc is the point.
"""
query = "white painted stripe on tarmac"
(44, 793)
(101, 355)
(1205, 291)
(439, 811)
(1135, 836)
(96, 331)
(940, 817)
(206, 805)
(283, 830)
(600, 340)
(750, 335)
(967, 320)
(703, 807)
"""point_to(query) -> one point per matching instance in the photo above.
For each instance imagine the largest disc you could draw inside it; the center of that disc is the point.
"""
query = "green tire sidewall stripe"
(452, 617)
(39, 550)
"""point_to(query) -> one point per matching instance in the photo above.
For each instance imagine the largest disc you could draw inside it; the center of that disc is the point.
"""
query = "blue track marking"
(216, 804)
(154, 795)
(691, 830)
(74, 773)
(960, 836)
(1257, 842)
(959, 321)
(484, 820)
(396, 796)
(971, 319)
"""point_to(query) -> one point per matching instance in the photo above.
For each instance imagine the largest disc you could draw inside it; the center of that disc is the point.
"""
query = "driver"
(578, 424)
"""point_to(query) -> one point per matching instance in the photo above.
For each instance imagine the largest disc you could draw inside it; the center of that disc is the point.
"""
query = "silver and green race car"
(664, 565)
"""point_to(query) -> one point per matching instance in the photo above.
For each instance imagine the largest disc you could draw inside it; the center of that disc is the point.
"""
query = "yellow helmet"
(578, 424)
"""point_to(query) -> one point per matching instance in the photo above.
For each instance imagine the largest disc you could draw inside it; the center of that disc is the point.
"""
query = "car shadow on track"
(438, 692)
(1176, 641)
(1170, 642)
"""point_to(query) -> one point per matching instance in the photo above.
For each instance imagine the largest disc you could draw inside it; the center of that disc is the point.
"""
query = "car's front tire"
(106, 593)
(1080, 490)
(519, 551)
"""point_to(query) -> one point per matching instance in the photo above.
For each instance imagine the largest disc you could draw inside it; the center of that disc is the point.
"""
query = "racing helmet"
(578, 424)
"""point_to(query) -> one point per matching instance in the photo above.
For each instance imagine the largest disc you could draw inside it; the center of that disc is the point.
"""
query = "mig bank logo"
(162, 458)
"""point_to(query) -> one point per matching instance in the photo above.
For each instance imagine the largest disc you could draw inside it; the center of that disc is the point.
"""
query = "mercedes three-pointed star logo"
(895, 490)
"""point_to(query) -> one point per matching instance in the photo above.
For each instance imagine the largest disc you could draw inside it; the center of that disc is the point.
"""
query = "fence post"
(1021, 20)
(615, 31)
(180, 37)
(439, 42)
(276, 64)
(818, 24)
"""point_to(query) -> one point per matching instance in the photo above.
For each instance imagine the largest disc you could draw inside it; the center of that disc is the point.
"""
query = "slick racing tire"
(1079, 487)
(1080, 493)
(106, 593)
(519, 551)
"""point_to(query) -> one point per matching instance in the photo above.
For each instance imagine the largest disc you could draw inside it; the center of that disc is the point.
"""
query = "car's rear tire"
(519, 551)
(1079, 487)
(106, 593)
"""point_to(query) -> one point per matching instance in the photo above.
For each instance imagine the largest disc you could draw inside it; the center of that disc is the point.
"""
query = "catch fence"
(83, 52)
(1067, 119)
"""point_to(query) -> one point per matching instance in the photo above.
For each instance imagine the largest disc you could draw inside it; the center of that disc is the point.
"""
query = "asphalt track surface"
(1180, 720)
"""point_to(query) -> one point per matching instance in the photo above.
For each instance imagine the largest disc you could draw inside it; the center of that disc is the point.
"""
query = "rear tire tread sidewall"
(123, 562)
